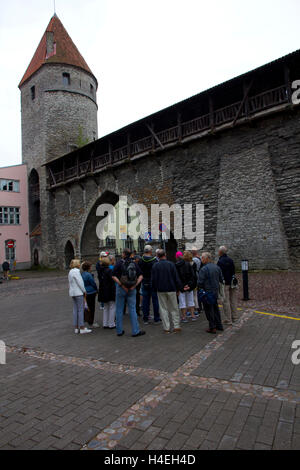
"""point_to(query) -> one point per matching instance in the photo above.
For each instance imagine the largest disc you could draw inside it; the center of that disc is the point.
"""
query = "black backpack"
(129, 274)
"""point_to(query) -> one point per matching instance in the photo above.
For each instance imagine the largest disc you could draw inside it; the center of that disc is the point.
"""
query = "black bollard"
(245, 267)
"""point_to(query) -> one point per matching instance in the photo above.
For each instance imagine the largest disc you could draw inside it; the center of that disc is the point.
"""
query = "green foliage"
(81, 140)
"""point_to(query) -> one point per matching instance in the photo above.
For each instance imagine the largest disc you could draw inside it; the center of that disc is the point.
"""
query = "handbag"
(221, 293)
(234, 282)
(208, 297)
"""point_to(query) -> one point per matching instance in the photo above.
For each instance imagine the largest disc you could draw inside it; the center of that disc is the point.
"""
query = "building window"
(141, 245)
(10, 250)
(128, 243)
(66, 79)
(32, 90)
(9, 216)
(9, 185)
(91, 89)
(110, 242)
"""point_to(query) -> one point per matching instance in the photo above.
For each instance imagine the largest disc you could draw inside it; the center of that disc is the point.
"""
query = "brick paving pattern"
(238, 390)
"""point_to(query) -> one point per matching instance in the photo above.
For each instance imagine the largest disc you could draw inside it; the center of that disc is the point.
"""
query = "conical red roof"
(65, 51)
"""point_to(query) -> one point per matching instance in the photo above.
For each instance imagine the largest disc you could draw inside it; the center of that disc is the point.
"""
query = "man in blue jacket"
(209, 278)
(166, 282)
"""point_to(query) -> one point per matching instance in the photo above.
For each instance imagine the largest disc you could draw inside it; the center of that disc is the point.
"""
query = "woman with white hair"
(77, 292)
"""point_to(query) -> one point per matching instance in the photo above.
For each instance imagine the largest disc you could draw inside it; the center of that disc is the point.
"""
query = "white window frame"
(7, 181)
(10, 212)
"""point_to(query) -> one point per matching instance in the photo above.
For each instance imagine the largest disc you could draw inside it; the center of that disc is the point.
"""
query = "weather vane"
(54, 7)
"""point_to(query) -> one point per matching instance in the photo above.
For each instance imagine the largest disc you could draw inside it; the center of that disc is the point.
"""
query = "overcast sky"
(146, 55)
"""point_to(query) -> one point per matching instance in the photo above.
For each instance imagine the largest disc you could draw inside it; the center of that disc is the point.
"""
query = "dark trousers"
(213, 316)
(90, 314)
(138, 300)
(148, 294)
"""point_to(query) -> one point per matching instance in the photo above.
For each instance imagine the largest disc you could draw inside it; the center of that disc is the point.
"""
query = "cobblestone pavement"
(238, 390)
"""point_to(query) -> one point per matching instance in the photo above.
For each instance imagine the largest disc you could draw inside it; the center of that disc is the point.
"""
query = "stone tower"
(59, 113)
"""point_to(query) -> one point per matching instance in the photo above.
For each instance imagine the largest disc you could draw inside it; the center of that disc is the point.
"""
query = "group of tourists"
(177, 292)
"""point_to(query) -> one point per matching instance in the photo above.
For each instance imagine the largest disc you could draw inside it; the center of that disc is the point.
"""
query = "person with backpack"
(128, 276)
(146, 264)
(107, 292)
(188, 279)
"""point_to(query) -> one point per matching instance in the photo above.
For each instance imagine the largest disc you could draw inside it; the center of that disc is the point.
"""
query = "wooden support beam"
(288, 82)
(246, 93)
(128, 146)
(110, 152)
(77, 165)
(179, 124)
(52, 175)
(96, 181)
(155, 137)
(211, 114)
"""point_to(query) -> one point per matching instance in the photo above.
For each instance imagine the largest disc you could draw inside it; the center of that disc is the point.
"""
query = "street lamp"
(245, 268)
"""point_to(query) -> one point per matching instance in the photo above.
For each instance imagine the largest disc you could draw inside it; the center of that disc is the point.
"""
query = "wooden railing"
(232, 113)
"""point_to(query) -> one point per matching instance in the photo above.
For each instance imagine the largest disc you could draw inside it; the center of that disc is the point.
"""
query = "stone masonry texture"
(247, 178)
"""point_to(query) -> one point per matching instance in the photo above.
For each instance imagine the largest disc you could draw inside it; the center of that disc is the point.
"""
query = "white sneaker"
(76, 331)
(95, 325)
(84, 331)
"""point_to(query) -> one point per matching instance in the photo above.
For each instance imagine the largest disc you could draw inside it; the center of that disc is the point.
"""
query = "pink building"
(14, 224)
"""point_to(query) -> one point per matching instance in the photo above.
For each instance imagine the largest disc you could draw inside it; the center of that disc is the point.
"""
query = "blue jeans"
(78, 311)
(147, 295)
(121, 296)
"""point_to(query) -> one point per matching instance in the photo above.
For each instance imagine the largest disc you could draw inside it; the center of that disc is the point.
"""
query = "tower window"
(91, 89)
(32, 90)
(66, 79)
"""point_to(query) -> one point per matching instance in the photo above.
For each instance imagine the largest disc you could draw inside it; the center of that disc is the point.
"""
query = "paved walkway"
(238, 390)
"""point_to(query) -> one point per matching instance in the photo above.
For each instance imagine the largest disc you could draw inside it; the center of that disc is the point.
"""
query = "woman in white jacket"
(77, 292)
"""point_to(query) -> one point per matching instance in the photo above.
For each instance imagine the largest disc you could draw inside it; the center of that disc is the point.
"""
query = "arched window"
(110, 242)
(141, 245)
(129, 243)
(66, 79)
(69, 254)
(34, 199)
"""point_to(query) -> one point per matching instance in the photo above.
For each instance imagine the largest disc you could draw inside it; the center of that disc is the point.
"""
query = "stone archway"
(69, 254)
(89, 244)
(34, 199)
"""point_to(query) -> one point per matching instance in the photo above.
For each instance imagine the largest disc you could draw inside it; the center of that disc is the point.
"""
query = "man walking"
(166, 282)
(228, 270)
(209, 278)
(146, 264)
(128, 276)
(5, 269)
